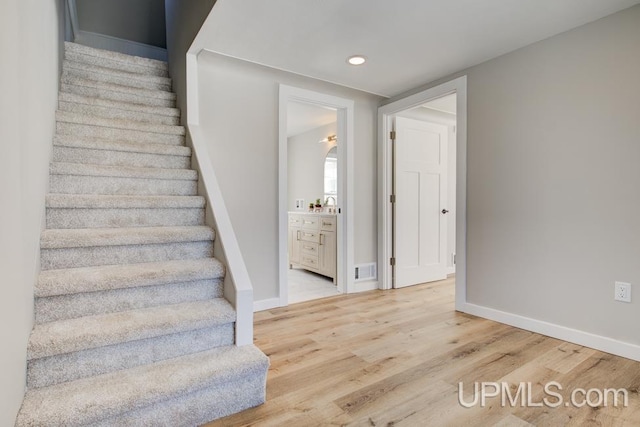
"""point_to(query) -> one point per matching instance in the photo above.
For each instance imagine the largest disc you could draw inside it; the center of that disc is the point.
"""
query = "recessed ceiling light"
(356, 60)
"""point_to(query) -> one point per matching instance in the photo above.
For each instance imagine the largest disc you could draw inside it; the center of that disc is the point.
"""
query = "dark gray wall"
(142, 21)
(184, 20)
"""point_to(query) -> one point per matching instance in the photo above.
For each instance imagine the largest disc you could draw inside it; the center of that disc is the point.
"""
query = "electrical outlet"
(622, 292)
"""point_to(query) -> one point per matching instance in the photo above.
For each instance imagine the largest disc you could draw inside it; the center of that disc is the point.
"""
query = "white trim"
(266, 304)
(345, 133)
(102, 41)
(598, 342)
(236, 269)
(365, 285)
(459, 86)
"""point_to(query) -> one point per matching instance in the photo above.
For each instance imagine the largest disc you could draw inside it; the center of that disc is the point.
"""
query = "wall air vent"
(366, 272)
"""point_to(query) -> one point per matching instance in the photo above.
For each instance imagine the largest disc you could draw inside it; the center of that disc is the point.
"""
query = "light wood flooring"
(395, 358)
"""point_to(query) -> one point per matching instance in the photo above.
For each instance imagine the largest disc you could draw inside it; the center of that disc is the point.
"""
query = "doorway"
(312, 151)
(315, 219)
(422, 188)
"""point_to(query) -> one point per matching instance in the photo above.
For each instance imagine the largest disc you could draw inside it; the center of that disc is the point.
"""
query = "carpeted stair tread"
(79, 118)
(66, 336)
(119, 105)
(82, 118)
(108, 277)
(116, 134)
(100, 201)
(94, 143)
(63, 168)
(48, 371)
(93, 109)
(115, 56)
(144, 93)
(70, 306)
(98, 398)
(93, 237)
(73, 69)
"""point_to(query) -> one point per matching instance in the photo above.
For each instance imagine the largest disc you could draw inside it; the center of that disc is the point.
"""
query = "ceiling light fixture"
(356, 60)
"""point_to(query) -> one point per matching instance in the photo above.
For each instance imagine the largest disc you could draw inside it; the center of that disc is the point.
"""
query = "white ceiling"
(302, 117)
(407, 42)
(446, 104)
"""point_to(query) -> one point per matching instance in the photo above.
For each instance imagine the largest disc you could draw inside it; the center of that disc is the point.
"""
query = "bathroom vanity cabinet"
(313, 243)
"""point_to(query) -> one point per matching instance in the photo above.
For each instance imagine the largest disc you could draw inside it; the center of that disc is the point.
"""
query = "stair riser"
(81, 364)
(116, 134)
(72, 306)
(119, 158)
(130, 124)
(69, 75)
(112, 255)
(197, 408)
(115, 113)
(82, 184)
(114, 64)
(117, 96)
(110, 218)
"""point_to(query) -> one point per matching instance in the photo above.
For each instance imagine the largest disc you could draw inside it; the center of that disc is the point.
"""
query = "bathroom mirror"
(331, 177)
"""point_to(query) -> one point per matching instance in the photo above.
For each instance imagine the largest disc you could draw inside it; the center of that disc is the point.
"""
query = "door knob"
(444, 211)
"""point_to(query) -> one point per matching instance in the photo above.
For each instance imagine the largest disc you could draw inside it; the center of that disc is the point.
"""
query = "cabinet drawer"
(295, 220)
(310, 261)
(309, 248)
(310, 222)
(309, 236)
(328, 223)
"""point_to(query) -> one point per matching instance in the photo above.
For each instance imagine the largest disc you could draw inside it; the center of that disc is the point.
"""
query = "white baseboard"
(266, 304)
(101, 41)
(365, 285)
(598, 342)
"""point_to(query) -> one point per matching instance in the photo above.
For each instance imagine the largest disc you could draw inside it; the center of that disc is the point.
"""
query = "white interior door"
(420, 220)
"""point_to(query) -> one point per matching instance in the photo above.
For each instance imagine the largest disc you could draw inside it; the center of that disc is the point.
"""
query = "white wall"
(553, 201)
(306, 164)
(30, 47)
(239, 114)
(449, 120)
(183, 22)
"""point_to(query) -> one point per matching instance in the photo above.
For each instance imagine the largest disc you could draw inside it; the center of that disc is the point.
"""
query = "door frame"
(385, 180)
(345, 134)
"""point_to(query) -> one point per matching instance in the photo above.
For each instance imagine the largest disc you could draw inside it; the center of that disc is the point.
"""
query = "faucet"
(326, 202)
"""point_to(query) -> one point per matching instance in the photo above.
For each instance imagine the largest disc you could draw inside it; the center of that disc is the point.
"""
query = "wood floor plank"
(395, 358)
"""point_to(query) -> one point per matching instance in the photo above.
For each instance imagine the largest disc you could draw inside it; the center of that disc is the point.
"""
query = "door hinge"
(392, 261)
(392, 198)
(392, 135)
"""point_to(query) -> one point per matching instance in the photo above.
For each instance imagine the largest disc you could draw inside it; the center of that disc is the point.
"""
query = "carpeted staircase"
(131, 324)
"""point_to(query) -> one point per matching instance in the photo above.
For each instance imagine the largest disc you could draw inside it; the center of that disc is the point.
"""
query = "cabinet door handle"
(298, 235)
(321, 236)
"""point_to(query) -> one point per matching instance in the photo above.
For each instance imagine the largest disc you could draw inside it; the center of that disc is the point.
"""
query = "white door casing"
(345, 218)
(420, 213)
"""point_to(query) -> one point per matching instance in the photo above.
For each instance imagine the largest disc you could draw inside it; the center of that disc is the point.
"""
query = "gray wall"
(142, 21)
(30, 36)
(306, 164)
(553, 200)
(184, 20)
(239, 116)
